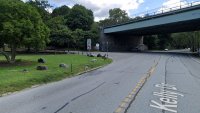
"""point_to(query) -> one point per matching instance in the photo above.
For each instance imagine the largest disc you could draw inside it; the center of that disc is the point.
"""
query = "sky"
(101, 8)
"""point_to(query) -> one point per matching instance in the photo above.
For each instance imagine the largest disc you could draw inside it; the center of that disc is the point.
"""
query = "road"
(172, 87)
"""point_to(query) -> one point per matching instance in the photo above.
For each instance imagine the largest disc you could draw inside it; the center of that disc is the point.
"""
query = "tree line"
(174, 41)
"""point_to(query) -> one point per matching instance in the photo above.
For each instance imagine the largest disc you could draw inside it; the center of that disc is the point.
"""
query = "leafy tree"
(21, 25)
(151, 42)
(56, 23)
(80, 18)
(61, 11)
(106, 22)
(164, 41)
(79, 39)
(95, 32)
(41, 6)
(193, 39)
(186, 39)
(116, 16)
(180, 40)
(61, 37)
(60, 34)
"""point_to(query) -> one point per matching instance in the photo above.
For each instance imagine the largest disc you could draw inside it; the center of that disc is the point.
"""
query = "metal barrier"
(164, 9)
(159, 11)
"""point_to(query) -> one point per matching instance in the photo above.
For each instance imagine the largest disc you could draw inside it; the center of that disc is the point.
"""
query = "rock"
(24, 70)
(93, 60)
(104, 57)
(63, 65)
(91, 55)
(41, 60)
(99, 55)
(86, 67)
(42, 68)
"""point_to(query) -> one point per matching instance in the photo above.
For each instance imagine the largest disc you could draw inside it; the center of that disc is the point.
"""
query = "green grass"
(12, 78)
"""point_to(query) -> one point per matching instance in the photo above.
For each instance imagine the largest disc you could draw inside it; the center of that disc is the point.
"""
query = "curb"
(90, 70)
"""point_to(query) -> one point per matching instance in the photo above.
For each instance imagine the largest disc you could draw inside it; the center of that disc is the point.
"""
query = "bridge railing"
(158, 11)
(167, 8)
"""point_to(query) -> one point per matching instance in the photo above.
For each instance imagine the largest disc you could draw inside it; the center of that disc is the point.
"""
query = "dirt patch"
(18, 62)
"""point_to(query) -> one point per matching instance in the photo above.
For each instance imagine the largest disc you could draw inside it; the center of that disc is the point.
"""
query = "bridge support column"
(141, 45)
(141, 40)
(106, 42)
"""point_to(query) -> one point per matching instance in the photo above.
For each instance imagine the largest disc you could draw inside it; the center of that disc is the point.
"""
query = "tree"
(41, 6)
(61, 37)
(21, 25)
(61, 11)
(164, 41)
(180, 40)
(95, 33)
(80, 18)
(186, 39)
(79, 39)
(116, 16)
(106, 22)
(151, 42)
(56, 23)
(60, 33)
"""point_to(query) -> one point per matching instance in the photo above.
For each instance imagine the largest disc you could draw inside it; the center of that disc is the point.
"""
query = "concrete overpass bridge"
(123, 37)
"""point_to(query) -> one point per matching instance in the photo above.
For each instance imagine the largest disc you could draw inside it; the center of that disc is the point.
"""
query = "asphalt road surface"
(173, 87)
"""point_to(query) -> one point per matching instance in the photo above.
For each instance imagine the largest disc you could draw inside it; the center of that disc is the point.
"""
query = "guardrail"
(164, 9)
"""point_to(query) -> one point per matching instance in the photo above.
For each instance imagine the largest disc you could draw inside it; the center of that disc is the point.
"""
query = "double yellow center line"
(125, 104)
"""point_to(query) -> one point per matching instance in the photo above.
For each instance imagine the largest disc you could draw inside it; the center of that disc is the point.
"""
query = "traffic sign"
(89, 44)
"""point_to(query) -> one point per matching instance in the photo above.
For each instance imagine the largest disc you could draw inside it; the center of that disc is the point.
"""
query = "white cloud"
(101, 7)
(50, 10)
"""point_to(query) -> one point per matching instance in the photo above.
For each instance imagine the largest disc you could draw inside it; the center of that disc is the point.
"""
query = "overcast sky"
(132, 7)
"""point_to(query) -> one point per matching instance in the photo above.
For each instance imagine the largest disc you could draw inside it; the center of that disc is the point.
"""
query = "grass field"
(12, 77)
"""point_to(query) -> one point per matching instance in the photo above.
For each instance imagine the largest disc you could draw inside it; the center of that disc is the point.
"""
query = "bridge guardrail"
(164, 9)
(159, 11)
